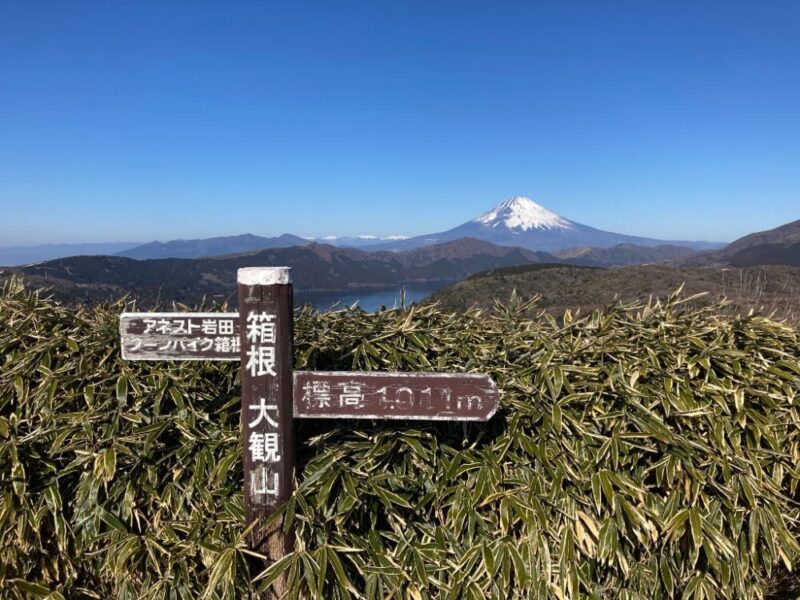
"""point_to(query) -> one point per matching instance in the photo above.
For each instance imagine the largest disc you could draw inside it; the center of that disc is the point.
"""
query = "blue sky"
(162, 119)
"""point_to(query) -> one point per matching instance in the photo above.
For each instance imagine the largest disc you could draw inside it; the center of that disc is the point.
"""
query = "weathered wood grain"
(265, 301)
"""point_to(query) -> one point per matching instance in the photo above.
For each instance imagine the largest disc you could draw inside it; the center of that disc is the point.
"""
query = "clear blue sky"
(162, 119)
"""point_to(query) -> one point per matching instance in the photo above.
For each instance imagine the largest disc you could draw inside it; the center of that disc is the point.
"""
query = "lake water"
(370, 300)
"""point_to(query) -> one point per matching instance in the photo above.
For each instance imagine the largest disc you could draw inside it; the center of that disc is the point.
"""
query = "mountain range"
(758, 272)
(517, 221)
(316, 267)
(321, 267)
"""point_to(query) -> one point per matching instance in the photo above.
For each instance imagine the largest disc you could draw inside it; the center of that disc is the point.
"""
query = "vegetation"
(768, 289)
(641, 452)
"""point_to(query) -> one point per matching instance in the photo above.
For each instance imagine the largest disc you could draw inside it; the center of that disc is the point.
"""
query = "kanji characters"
(351, 395)
(264, 447)
(226, 344)
(261, 328)
(261, 360)
(260, 484)
(317, 394)
(260, 332)
(209, 326)
(262, 407)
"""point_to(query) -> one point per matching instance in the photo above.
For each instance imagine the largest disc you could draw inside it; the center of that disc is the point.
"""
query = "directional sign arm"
(392, 395)
(180, 336)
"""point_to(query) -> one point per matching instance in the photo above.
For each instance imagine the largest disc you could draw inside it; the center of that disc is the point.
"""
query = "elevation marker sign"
(381, 395)
(260, 337)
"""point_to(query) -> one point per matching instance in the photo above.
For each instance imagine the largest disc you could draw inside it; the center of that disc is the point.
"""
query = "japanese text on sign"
(264, 447)
(370, 395)
(261, 336)
(263, 434)
(189, 336)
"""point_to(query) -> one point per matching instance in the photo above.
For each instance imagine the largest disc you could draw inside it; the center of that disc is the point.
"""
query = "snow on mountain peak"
(519, 212)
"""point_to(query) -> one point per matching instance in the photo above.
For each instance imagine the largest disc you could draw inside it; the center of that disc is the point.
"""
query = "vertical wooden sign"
(265, 313)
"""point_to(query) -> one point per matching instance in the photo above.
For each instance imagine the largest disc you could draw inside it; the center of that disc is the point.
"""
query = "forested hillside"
(771, 290)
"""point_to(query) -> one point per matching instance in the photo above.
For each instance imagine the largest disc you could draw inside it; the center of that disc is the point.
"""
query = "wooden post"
(265, 313)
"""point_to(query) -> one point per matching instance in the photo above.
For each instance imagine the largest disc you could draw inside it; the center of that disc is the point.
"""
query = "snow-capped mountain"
(359, 241)
(519, 221)
(521, 213)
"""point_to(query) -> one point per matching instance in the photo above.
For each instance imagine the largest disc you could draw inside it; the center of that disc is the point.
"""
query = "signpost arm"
(265, 313)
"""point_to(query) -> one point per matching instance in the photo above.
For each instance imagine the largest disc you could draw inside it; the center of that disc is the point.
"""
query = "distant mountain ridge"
(623, 255)
(217, 246)
(766, 289)
(778, 246)
(516, 222)
(315, 267)
(359, 241)
(238, 244)
(11, 256)
(519, 221)
(787, 234)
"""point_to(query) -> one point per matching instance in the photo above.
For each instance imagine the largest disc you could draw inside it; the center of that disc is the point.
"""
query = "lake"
(369, 299)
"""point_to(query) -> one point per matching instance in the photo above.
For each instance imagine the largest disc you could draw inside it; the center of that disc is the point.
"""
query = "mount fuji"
(519, 221)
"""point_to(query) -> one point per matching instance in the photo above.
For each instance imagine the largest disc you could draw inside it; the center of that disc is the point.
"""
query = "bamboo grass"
(640, 452)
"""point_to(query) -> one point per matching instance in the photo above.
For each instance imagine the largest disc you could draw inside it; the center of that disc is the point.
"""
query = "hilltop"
(622, 255)
(778, 246)
(765, 289)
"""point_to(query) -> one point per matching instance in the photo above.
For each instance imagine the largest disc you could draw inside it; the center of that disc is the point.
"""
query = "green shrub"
(641, 452)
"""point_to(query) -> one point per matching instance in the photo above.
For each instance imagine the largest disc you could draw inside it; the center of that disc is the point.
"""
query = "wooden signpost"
(265, 313)
(260, 336)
